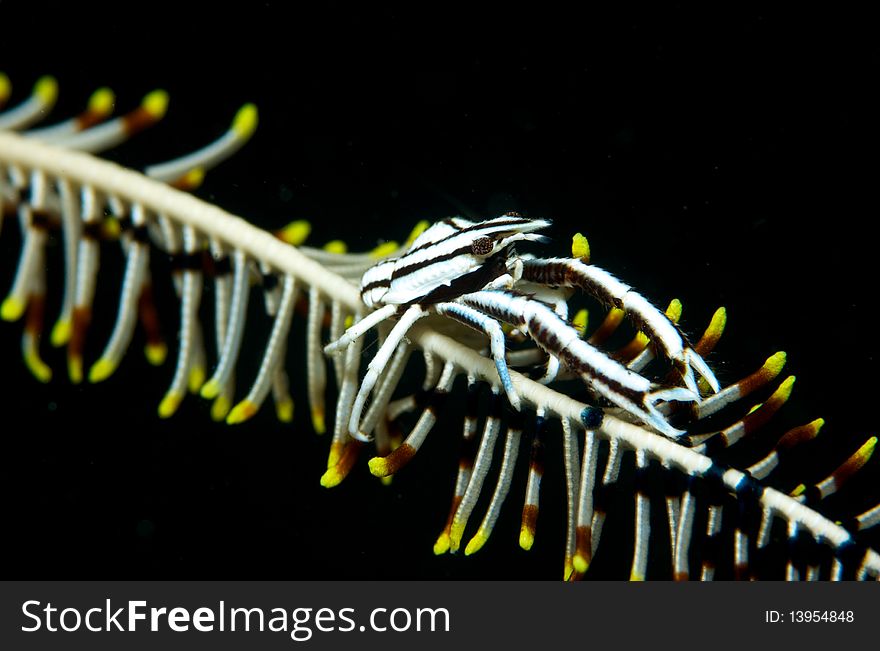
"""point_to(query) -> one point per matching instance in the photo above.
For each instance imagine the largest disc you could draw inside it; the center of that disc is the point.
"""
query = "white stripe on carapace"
(443, 253)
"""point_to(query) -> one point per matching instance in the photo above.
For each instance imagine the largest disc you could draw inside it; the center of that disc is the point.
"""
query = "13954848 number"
(799, 616)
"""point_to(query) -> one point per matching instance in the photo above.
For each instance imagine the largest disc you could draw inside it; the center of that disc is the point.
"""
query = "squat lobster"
(470, 272)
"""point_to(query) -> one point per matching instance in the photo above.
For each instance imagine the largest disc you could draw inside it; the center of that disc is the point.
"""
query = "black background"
(724, 157)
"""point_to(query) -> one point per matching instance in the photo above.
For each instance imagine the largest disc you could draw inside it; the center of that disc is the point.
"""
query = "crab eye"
(482, 246)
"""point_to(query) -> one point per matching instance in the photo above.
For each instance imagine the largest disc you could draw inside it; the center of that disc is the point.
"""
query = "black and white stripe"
(447, 251)
(608, 377)
(469, 271)
(610, 291)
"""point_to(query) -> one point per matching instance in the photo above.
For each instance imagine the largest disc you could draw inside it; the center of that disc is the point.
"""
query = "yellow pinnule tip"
(775, 363)
(192, 179)
(102, 102)
(210, 390)
(378, 466)
(241, 412)
(580, 321)
(197, 379)
(581, 564)
(220, 408)
(476, 543)
(156, 353)
(799, 489)
(719, 320)
(156, 104)
(417, 230)
(245, 121)
(169, 404)
(38, 368)
(635, 576)
(61, 332)
(334, 455)
(332, 477)
(526, 538)
(75, 369)
(580, 247)
(46, 89)
(5, 87)
(12, 309)
(101, 370)
(784, 390)
(673, 312)
(864, 453)
(284, 411)
(336, 246)
(318, 423)
(384, 249)
(386, 480)
(111, 228)
(442, 544)
(817, 425)
(455, 534)
(295, 232)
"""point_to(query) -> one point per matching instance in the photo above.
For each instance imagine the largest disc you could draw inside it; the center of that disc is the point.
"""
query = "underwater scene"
(618, 272)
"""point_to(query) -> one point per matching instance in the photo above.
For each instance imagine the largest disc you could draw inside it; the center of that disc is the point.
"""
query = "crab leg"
(479, 321)
(611, 379)
(359, 329)
(378, 364)
(597, 282)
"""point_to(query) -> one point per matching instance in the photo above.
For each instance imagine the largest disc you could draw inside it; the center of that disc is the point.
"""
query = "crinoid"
(510, 352)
